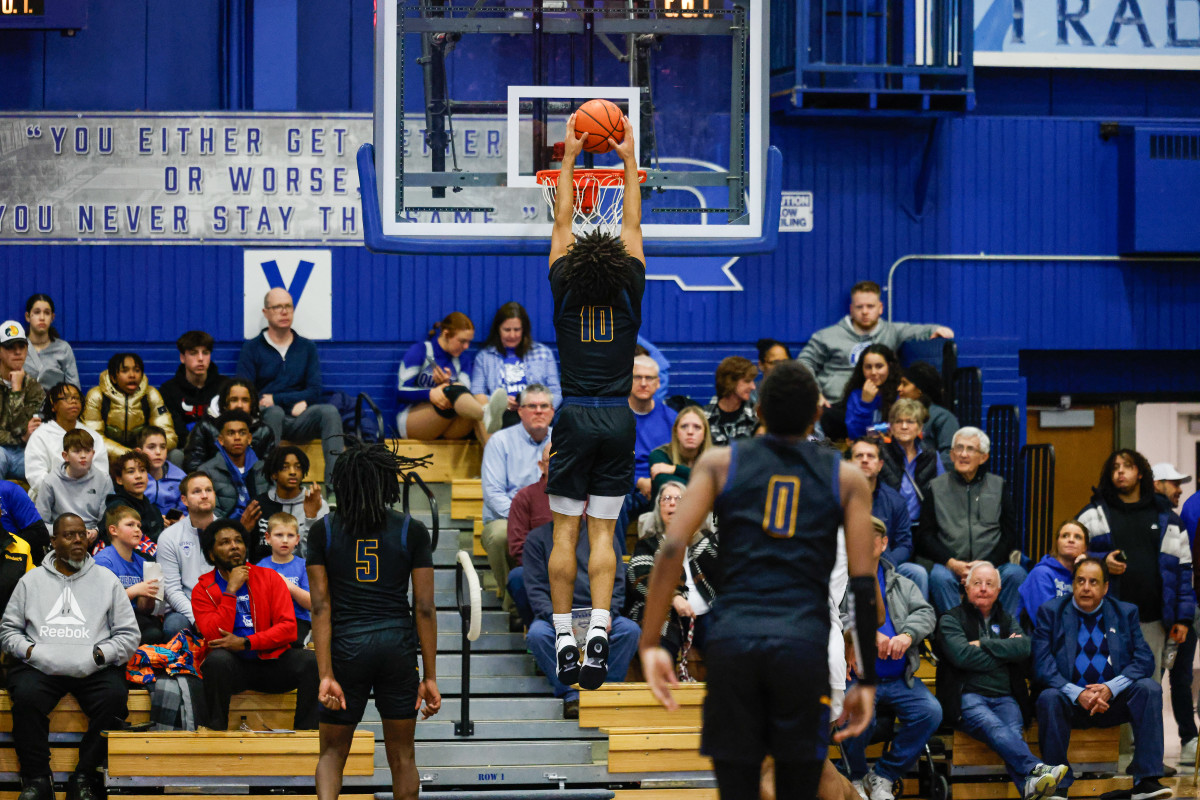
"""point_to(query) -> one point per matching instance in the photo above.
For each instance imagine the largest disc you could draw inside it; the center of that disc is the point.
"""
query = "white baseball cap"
(1165, 471)
(12, 331)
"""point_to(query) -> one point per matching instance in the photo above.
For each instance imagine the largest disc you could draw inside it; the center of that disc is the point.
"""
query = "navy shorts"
(762, 699)
(383, 661)
(592, 451)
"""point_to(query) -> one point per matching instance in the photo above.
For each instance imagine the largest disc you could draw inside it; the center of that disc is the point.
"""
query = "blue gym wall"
(1027, 173)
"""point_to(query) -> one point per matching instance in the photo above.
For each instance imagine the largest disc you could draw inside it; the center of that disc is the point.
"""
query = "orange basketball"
(595, 121)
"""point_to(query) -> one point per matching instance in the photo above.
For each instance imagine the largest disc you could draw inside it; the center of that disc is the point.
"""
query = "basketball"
(595, 121)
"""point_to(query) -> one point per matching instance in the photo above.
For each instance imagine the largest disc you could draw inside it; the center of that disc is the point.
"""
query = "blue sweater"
(1046, 581)
(536, 561)
(292, 380)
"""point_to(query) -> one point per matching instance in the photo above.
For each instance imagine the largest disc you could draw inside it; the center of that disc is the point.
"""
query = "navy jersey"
(596, 342)
(778, 514)
(368, 576)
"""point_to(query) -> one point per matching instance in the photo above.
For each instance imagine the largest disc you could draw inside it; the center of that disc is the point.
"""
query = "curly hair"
(1145, 473)
(599, 263)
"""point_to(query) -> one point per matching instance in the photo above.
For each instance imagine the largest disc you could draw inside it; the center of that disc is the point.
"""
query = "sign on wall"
(1103, 34)
(307, 275)
(124, 178)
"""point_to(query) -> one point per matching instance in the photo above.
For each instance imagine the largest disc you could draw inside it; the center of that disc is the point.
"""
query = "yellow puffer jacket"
(127, 415)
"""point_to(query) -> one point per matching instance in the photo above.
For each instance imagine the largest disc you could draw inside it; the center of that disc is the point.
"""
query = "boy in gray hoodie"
(73, 487)
(68, 629)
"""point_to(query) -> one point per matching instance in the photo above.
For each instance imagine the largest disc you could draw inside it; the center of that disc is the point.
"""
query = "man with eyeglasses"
(286, 370)
(510, 463)
(968, 516)
(653, 420)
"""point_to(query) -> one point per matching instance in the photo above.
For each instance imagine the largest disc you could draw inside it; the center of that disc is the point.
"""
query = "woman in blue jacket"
(1051, 577)
(871, 390)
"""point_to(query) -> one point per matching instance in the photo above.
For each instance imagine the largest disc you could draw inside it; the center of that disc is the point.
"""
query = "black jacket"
(202, 442)
(957, 659)
(893, 466)
(187, 403)
(152, 521)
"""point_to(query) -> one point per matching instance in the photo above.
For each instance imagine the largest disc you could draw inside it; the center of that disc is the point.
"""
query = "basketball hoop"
(599, 196)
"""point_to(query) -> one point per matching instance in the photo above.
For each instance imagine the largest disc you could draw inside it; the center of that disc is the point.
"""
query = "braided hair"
(366, 480)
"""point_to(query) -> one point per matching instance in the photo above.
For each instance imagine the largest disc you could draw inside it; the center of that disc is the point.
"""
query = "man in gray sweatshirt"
(179, 551)
(832, 352)
(68, 629)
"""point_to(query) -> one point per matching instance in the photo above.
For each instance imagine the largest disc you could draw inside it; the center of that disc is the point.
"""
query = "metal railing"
(411, 478)
(470, 612)
(1035, 503)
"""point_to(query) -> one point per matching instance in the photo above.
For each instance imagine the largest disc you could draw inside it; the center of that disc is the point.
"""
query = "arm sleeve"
(282, 631)
(518, 525)
(13, 639)
(410, 369)
(123, 632)
(177, 599)
(1036, 589)
(481, 382)
(537, 580)
(45, 501)
(957, 649)
(310, 392)
(492, 477)
(37, 459)
(1142, 665)
(859, 414)
(1008, 650)
(640, 565)
(921, 619)
(70, 369)
(247, 369)
(196, 451)
(1045, 669)
(900, 539)
(548, 375)
(212, 616)
(814, 355)
(910, 331)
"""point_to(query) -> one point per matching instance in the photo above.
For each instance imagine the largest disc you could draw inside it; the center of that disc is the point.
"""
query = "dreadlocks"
(599, 262)
(366, 479)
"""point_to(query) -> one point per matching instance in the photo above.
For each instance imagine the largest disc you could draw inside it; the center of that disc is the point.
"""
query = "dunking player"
(359, 561)
(597, 282)
(780, 500)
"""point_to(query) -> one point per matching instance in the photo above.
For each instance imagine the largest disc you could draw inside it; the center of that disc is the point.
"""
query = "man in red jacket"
(246, 617)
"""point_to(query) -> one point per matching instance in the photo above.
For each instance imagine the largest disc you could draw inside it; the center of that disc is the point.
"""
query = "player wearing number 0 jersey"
(597, 282)
(360, 559)
(780, 500)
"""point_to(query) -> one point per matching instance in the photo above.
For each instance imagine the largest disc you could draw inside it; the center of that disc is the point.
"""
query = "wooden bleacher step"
(219, 754)
(450, 459)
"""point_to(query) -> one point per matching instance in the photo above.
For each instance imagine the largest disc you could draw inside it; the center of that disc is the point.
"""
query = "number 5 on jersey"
(779, 516)
(596, 324)
(367, 560)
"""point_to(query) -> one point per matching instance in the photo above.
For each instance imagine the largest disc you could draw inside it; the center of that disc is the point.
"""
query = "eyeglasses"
(900, 422)
(965, 449)
(537, 406)
(645, 378)
(671, 498)
(281, 307)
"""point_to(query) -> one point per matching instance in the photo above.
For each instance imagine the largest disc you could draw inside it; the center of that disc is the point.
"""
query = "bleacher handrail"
(409, 479)
(470, 612)
(363, 397)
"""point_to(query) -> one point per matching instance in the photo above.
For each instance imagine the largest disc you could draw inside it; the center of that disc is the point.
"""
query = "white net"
(599, 198)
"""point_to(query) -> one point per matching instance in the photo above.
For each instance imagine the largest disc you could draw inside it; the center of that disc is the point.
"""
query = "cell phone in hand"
(1120, 556)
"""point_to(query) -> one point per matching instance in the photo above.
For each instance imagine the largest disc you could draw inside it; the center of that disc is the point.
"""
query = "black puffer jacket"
(893, 467)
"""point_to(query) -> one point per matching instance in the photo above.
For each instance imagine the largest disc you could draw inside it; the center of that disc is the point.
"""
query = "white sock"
(562, 625)
(600, 617)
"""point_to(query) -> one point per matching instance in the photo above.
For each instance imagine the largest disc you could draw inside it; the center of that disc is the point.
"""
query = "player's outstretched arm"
(862, 564)
(422, 582)
(330, 692)
(631, 211)
(708, 478)
(564, 197)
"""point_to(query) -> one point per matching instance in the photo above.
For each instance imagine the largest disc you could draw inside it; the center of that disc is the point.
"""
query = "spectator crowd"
(171, 523)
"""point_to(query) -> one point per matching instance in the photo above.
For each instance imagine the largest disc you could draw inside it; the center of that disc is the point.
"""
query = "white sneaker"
(493, 410)
(1187, 754)
(858, 787)
(1043, 780)
(877, 787)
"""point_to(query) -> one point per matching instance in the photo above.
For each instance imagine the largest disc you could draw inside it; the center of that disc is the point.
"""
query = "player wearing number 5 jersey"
(360, 558)
(780, 500)
(597, 282)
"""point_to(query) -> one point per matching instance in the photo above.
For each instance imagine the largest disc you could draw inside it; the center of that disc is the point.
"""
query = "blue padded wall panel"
(103, 66)
(362, 55)
(323, 55)
(183, 56)
(22, 63)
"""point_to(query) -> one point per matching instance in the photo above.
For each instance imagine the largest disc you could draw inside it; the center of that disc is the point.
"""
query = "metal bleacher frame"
(1003, 428)
(1035, 503)
(967, 395)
